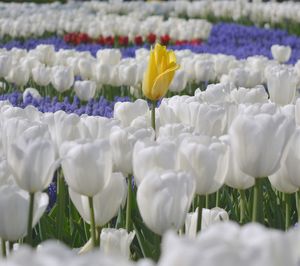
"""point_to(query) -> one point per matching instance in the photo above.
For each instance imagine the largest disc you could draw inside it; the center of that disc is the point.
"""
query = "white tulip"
(85, 90)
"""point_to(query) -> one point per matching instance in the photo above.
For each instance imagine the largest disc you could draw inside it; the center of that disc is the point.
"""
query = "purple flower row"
(96, 107)
(226, 38)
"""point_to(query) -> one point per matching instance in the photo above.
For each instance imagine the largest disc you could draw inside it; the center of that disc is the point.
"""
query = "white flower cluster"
(34, 20)
(44, 65)
(224, 244)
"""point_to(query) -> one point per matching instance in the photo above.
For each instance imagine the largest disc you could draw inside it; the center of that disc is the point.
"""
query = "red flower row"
(77, 38)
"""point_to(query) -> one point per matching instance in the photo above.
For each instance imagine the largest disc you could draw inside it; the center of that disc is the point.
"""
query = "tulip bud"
(62, 78)
(157, 188)
(14, 204)
(281, 53)
(85, 90)
(87, 165)
(116, 242)
(41, 75)
(160, 72)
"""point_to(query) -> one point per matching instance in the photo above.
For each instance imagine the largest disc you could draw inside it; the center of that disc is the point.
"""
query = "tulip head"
(160, 72)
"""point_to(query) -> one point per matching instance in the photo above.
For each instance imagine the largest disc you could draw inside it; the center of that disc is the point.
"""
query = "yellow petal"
(162, 82)
(150, 75)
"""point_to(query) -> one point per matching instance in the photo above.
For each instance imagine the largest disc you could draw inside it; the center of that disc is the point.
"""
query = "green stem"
(99, 229)
(257, 210)
(297, 195)
(129, 202)
(153, 116)
(60, 207)
(218, 198)
(92, 218)
(207, 201)
(201, 204)
(242, 205)
(30, 219)
(287, 201)
(3, 247)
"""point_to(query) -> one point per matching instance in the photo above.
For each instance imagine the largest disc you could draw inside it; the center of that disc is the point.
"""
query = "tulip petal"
(150, 75)
(162, 82)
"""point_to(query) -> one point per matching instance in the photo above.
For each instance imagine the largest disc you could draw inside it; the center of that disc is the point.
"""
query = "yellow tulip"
(160, 72)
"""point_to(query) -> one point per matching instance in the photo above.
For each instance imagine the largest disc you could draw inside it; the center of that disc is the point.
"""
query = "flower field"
(150, 133)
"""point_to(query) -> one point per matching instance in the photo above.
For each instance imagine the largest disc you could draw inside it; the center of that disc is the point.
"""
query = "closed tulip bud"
(32, 160)
(281, 53)
(85, 90)
(122, 145)
(14, 204)
(282, 84)
(160, 72)
(252, 136)
(213, 155)
(175, 188)
(41, 75)
(103, 73)
(86, 68)
(87, 165)
(62, 78)
(150, 155)
(116, 242)
(106, 203)
(19, 75)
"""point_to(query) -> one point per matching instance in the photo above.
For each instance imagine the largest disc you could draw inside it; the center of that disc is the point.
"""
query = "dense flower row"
(16, 24)
(230, 39)
(226, 244)
(123, 41)
(58, 16)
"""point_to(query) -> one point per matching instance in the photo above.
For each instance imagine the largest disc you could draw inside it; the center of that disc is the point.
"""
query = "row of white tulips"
(236, 141)
(222, 244)
(44, 66)
(57, 14)
(35, 22)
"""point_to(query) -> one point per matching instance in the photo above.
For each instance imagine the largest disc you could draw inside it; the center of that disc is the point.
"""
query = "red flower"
(84, 38)
(165, 39)
(138, 40)
(151, 38)
(196, 41)
(100, 40)
(109, 41)
(123, 40)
